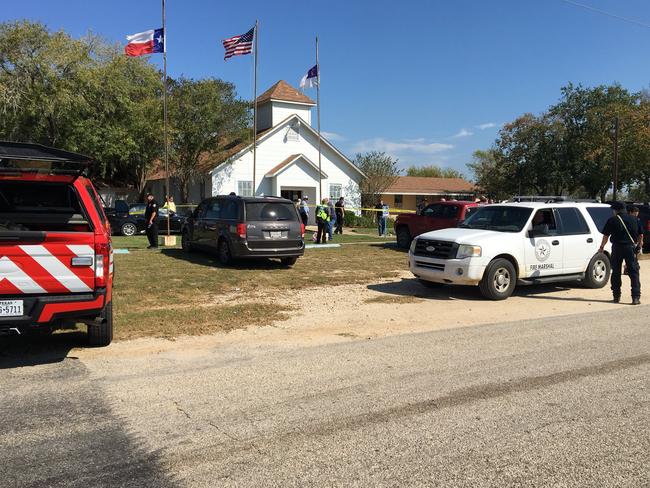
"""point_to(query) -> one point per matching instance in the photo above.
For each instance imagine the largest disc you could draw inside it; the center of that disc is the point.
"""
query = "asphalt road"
(552, 402)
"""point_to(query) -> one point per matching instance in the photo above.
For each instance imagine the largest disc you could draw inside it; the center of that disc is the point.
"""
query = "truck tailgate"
(56, 263)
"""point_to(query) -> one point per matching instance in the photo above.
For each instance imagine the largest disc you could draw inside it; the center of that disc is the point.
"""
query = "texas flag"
(147, 42)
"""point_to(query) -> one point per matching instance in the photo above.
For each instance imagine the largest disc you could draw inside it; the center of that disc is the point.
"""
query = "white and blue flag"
(310, 80)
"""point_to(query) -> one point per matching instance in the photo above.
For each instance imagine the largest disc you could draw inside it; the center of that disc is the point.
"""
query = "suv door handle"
(556, 243)
(590, 240)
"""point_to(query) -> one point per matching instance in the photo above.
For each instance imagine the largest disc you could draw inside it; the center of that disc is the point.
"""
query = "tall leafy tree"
(204, 113)
(380, 172)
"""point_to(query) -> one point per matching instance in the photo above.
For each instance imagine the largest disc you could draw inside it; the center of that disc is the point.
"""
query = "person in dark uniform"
(340, 215)
(623, 231)
(150, 217)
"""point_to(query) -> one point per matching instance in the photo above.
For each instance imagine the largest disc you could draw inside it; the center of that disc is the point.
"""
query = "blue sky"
(426, 81)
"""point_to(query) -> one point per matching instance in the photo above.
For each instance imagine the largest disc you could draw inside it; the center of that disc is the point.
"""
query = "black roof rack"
(551, 199)
(18, 157)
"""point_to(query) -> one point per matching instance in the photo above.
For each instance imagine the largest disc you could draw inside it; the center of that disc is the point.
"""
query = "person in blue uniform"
(623, 231)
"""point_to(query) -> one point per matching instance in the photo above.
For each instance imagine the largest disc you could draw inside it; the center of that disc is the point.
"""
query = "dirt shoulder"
(390, 306)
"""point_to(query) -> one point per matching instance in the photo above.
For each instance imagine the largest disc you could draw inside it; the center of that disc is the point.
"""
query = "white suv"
(527, 243)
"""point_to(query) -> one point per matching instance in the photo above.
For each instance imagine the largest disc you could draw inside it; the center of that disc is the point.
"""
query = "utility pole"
(257, 26)
(615, 158)
(169, 192)
(320, 174)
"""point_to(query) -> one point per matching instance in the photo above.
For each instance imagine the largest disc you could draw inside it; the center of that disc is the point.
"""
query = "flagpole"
(165, 113)
(320, 183)
(255, 110)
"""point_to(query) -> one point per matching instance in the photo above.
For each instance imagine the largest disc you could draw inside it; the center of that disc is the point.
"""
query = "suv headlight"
(413, 243)
(466, 251)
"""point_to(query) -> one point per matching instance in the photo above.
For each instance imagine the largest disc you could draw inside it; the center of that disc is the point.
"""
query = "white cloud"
(405, 145)
(463, 133)
(487, 125)
(332, 136)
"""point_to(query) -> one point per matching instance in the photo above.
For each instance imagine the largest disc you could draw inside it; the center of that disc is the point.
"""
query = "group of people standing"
(329, 217)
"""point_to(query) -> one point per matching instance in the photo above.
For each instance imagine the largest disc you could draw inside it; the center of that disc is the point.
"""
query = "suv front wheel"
(499, 280)
(598, 271)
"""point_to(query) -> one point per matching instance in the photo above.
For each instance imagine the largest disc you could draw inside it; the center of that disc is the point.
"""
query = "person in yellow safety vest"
(170, 205)
(322, 219)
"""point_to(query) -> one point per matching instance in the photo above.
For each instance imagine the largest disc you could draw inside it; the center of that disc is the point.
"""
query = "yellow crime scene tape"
(311, 205)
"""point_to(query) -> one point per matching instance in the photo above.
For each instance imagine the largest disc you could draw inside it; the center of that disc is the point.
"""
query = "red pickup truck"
(439, 215)
(56, 259)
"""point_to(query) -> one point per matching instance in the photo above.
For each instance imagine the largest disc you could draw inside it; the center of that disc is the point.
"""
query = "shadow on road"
(34, 349)
(412, 287)
(204, 258)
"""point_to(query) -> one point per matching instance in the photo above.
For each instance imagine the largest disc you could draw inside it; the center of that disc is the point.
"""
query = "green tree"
(204, 113)
(491, 177)
(434, 171)
(81, 95)
(380, 172)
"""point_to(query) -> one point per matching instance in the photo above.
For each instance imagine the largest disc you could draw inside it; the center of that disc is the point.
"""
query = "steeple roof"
(283, 91)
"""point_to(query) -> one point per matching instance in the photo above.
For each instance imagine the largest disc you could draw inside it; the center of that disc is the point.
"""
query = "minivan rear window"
(264, 211)
(600, 215)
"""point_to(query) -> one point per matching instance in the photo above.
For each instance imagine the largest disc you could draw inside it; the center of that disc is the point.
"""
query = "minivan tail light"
(241, 230)
(302, 230)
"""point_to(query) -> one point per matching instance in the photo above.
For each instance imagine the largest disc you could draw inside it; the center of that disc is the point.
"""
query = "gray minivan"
(246, 227)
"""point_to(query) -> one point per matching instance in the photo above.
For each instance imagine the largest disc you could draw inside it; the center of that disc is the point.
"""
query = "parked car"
(246, 227)
(128, 220)
(56, 264)
(439, 215)
(500, 246)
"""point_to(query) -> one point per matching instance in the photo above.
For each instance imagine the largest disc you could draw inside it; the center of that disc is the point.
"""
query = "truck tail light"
(302, 230)
(102, 257)
(241, 230)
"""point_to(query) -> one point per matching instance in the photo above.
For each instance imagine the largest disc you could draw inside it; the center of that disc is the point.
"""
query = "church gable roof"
(291, 160)
(284, 92)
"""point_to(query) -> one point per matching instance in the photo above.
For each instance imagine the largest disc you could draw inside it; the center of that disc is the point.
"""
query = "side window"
(600, 216)
(449, 212)
(230, 210)
(572, 221)
(200, 210)
(544, 222)
(434, 211)
(213, 210)
(98, 206)
(469, 211)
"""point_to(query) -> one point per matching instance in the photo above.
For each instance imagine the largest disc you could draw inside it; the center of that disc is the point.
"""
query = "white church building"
(286, 160)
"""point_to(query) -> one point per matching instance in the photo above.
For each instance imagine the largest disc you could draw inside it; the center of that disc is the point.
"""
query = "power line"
(607, 14)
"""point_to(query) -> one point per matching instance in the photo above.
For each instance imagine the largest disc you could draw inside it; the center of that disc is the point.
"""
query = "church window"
(245, 188)
(293, 133)
(335, 190)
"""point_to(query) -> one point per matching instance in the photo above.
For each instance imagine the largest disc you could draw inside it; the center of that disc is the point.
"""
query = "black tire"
(403, 237)
(598, 271)
(499, 280)
(224, 253)
(289, 261)
(101, 335)
(430, 284)
(186, 244)
(128, 229)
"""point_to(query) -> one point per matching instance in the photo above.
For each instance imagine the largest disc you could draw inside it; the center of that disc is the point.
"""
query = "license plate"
(275, 234)
(11, 308)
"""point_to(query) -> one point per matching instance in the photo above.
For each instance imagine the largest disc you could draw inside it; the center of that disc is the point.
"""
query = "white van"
(500, 246)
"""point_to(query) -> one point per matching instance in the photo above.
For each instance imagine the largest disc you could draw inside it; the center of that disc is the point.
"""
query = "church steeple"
(279, 102)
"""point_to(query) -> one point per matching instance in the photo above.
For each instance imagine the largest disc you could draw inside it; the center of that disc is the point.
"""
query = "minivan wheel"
(598, 271)
(101, 335)
(128, 229)
(224, 253)
(403, 237)
(186, 245)
(499, 280)
(289, 261)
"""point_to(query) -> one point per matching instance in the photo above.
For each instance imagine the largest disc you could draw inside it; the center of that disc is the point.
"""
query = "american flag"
(239, 45)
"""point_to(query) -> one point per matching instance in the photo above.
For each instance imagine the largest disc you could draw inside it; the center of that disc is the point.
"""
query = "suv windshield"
(498, 218)
(256, 211)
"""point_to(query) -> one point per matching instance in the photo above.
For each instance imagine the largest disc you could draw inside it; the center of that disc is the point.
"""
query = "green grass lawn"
(166, 293)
